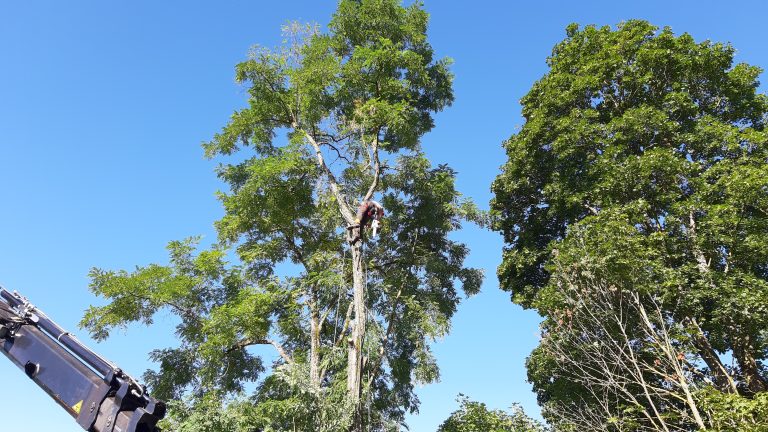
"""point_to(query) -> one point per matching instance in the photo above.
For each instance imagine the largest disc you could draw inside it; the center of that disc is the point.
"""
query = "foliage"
(734, 413)
(644, 152)
(304, 410)
(476, 417)
(207, 414)
(333, 119)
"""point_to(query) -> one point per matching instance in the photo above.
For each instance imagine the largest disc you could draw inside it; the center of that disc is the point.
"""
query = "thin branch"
(338, 152)
(376, 170)
(344, 326)
(184, 312)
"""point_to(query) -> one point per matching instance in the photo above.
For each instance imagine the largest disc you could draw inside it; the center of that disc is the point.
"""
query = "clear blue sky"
(103, 105)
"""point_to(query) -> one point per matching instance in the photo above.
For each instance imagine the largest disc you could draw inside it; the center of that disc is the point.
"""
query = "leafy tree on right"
(634, 208)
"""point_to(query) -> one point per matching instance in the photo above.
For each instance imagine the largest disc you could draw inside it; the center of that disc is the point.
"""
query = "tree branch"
(338, 153)
(249, 342)
(344, 326)
(376, 170)
(346, 212)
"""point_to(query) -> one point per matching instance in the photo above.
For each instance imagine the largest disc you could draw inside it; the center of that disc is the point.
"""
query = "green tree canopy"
(643, 155)
(333, 119)
(476, 417)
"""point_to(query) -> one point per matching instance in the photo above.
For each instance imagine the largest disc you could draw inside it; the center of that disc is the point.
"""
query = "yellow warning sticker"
(77, 407)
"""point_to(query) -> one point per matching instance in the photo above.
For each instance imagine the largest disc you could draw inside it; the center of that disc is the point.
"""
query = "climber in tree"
(369, 212)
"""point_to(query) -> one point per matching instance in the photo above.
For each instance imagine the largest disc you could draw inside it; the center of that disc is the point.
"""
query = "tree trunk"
(355, 356)
(743, 352)
(723, 380)
(314, 347)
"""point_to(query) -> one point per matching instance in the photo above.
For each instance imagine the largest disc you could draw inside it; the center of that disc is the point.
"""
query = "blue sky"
(103, 106)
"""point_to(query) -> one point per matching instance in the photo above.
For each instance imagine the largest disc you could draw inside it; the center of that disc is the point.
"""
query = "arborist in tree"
(369, 212)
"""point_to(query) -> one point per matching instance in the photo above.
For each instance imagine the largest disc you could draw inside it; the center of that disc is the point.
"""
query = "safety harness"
(369, 212)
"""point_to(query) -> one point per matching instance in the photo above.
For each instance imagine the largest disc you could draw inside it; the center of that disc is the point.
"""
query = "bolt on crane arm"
(95, 392)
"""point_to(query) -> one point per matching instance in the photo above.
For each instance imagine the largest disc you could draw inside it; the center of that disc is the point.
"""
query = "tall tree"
(353, 103)
(644, 152)
(476, 417)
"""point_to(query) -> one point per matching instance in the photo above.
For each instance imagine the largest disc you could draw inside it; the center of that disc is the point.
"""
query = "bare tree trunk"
(701, 260)
(314, 347)
(355, 355)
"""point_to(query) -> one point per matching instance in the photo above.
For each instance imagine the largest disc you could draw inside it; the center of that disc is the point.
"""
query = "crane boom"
(95, 392)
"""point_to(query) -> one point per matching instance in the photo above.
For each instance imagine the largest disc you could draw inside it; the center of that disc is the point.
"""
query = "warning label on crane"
(77, 407)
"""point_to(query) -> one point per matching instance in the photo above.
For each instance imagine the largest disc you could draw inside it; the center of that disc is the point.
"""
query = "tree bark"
(314, 346)
(743, 352)
(723, 380)
(356, 338)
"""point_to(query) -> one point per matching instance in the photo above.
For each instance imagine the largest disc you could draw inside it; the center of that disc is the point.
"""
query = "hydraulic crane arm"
(100, 396)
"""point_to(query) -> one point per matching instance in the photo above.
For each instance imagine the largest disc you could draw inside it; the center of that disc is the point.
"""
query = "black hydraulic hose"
(62, 336)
